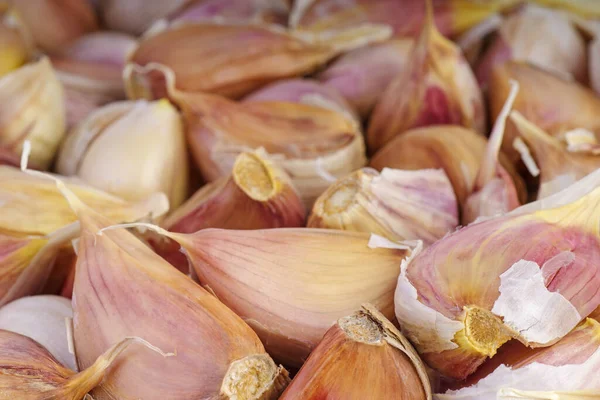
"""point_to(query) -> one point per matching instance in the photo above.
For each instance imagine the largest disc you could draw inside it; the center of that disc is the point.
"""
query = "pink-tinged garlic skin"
(257, 11)
(360, 76)
(135, 16)
(464, 269)
(523, 37)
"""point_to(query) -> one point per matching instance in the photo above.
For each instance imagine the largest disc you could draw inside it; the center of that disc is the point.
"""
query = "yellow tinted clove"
(15, 40)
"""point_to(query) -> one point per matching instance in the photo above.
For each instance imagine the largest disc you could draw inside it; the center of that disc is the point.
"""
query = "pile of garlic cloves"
(299, 199)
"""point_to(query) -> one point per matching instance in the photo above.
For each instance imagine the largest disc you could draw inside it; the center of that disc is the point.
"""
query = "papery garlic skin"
(42, 318)
(131, 149)
(399, 205)
(135, 16)
(54, 23)
(361, 356)
(256, 11)
(363, 74)
(33, 110)
(291, 284)
(552, 245)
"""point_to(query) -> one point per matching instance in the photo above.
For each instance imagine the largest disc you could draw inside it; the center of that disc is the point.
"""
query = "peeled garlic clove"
(54, 23)
(406, 17)
(569, 365)
(135, 16)
(15, 44)
(551, 103)
(494, 192)
(257, 195)
(559, 168)
(42, 318)
(311, 143)
(304, 91)
(458, 151)
(233, 60)
(257, 11)
(438, 87)
(530, 275)
(361, 75)
(523, 37)
(217, 354)
(395, 204)
(33, 85)
(24, 196)
(90, 69)
(291, 284)
(29, 372)
(362, 356)
(131, 149)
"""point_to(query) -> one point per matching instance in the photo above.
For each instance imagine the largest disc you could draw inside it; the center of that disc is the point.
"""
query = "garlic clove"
(437, 88)
(559, 168)
(530, 275)
(54, 23)
(362, 356)
(146, 144)
(219, 129)
(15, 41)
(42, 318)
(569, 365)
(255, 11)
(576, 106)
(90, 69)
(33, 85)
(291, 284)
(585, 8)
(406, 18)
(522, 36)
(254, 56)
(456, 150)
(361, 75)
(257, 195)
(32, 205)
(135, 16)
(494, 191)
(29, 372)
(217, 354)
(396, 204)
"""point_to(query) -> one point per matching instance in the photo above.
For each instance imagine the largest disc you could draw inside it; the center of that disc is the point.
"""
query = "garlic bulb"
(42, 318)
(530, 275)
(549, 102)
(361, 75)
(131, 149)
(256, 11)
(122, 288)
(437, 87)
(90, 68)
(33, 85)
(395, 204)
(233, 59)
(523, 36)
(54, 23)
(567, 367)
(362, 356)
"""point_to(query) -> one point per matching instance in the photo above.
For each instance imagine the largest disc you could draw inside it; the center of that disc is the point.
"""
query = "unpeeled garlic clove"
(559, 167)
(568, 366)
(406, 17)
(217, 354)
(131, 149)
(522, 37)
(29, 372)
(362, 356)
(15, 41)
(54, 23)
(24, 195)
(292, 284)
(551, 103)
(458, 151)
(256, 11)
(585, 8)
(33, 110)
(257, 195)
(42, 318)
(438, 87)
(233, 59)
(530, 275)
(90, 68)
(395, 204)
(135, 16)
(363, 74)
